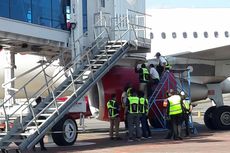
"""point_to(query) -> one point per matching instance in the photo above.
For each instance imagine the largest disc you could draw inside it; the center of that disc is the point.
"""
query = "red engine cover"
(115, 81)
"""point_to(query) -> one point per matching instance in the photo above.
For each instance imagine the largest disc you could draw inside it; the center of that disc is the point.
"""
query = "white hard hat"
(182, 93)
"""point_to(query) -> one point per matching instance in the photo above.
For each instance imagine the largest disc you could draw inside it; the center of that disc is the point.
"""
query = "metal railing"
(70, 69)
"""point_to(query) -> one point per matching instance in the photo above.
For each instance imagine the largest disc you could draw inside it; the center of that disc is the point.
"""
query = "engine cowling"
(113, 82)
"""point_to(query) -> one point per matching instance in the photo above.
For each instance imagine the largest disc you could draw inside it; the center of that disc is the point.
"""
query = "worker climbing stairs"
(176, 80)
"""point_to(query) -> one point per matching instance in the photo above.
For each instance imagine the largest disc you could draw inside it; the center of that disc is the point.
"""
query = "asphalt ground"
(95, 139)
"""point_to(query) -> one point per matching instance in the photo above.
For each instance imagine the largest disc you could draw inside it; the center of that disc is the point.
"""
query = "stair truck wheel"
(221, 118)
(208, 118)
(65, 132)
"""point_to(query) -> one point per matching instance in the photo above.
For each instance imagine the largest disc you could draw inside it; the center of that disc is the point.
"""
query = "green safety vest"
(143, 105)
(133, 105)
(167, 66)
(187, 104)
(175, 105)
(145, 74)
(111, 108)
(129, 92)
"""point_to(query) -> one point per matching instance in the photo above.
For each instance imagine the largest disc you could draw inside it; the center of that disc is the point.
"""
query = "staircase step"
(45, 115)
(38, 121)
(14, 140)
(21, 134)
(109, 51)
(104, 55)
(98, 60)
(112, 46)
(117, 42)
(31, 127)
(95, 65)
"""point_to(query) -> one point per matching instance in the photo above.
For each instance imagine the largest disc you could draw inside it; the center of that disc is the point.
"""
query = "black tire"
(208, 118)
(221, 119)
(66, 132)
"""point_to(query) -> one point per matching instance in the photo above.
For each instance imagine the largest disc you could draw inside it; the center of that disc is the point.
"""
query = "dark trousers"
(126, 121)
(134, 125)
(176, 125)
(186, 121)
(160, 70)
(41, 142)
(145, 126)
(170, 130)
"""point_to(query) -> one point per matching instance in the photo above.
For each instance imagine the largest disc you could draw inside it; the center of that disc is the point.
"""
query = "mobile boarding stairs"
(176, 79)
(79, 76)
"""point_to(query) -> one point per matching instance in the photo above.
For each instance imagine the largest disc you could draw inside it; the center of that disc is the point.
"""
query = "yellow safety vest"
(187, 105)
(175, 105)
(133, 105)
(143, 106)
(111, 108)
(145, 74)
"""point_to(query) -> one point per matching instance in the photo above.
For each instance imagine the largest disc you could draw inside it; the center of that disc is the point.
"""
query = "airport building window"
(84, 13)
(174, 35)
(4, 8)
(195, 34)
(226, 33)
(216, 34)
(49, 13)
(205, 34)
(185, 35)
(163, 35)
(102, 3)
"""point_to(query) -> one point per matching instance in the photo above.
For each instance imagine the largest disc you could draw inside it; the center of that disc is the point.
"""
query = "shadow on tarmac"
(101, 140)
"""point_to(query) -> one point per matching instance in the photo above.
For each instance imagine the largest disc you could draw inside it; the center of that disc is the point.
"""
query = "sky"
(150, 4)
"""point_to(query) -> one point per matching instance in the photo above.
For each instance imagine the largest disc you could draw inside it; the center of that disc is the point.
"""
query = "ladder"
(156, 112)
(171, 79)
(79, 76)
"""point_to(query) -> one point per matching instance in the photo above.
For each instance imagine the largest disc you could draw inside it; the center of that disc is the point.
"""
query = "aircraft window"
(195, 35)
(226, 34)
(174, 35)
(185, 35)
(216, 34)
(163, 35)
(151, 35)
(206, 34)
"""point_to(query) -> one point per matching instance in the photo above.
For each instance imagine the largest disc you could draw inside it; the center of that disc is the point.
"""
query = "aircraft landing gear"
(218, 118)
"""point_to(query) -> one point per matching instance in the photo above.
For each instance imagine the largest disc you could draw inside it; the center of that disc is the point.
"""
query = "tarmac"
(95, 139)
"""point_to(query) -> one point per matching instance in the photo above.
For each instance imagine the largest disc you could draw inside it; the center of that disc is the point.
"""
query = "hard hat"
(182, 93)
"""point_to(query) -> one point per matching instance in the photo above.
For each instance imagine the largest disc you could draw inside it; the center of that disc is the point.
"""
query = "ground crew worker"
(143, 77)
(187, 109)
(125, 94)
(175, 114)
(143, 109)
(167, 118)
(113, 112)
(41, 141)
(154, 79)
(162, 64)
(132, 107)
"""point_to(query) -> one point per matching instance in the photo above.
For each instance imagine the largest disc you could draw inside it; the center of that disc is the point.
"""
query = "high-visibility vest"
(143, 108)
(187, 105)
(175, 105)
(133, 105)
(129, 92)
(145, 74)
(112, 110)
